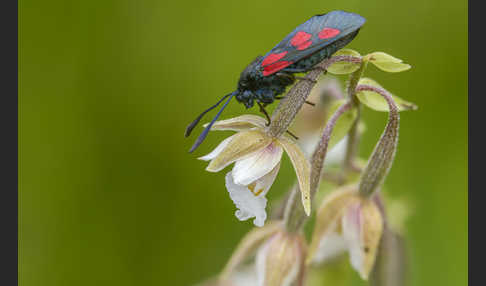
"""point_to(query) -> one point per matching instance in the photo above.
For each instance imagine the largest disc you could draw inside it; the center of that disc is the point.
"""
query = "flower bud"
(347, 221)
(280, 260)
(382, 157)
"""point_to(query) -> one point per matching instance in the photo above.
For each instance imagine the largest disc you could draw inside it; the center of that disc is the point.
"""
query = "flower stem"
(382, 157)
(295, 216)
(353, 134)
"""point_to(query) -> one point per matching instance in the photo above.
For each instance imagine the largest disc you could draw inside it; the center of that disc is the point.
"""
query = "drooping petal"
(243, 144)
(337, 153)
(250, 200)
(239, 123)
(362, 227)
(257, 164)
(217, 150)
(328, 217)
(352, 231)
(302, 169)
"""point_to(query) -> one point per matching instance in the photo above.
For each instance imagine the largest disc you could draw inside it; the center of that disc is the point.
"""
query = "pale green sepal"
(376, 102)
(381, 57)
(387, 63)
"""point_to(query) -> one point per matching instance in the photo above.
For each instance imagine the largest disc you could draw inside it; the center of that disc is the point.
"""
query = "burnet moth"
(267, 77)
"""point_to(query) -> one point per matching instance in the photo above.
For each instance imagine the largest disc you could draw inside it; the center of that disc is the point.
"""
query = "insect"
(265, 78)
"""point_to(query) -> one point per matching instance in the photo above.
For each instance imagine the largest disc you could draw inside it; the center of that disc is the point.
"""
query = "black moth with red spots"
(267, 77)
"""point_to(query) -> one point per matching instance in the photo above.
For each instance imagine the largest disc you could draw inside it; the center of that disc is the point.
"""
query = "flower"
(257, 161)
(347, 221)
(280, 260)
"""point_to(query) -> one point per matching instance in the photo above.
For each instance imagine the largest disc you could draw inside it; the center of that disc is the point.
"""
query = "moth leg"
(294, 70)
(286, 74)
(304, 78)
(292, 77)
(262, 109)
(308, 102)
(290, 133)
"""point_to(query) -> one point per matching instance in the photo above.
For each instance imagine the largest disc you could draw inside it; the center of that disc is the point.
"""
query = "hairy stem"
(353, 134)
(382, 157)
(295, 215)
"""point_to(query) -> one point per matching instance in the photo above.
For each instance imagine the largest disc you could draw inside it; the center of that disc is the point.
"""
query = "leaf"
(391, 67)
(376, 102)
(343, 124)
(344, 67)
(386, 62)
(382, 57)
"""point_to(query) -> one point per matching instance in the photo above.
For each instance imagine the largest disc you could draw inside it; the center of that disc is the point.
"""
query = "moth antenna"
(193, 124)
(203, 135)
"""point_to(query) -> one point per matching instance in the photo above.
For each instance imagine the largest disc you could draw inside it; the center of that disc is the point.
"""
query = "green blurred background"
(108, 193)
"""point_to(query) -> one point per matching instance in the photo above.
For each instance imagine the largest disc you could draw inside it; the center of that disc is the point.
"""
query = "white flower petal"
(330, 246)
(309, 143)
(247, 203)
(257, 165)
(263, 184)
(352, 233)
(337, 153)
(250, 200)
(334, 156)
(217, 150)
(245, 276)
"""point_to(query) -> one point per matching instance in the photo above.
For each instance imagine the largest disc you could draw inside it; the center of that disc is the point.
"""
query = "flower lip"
(250, 200)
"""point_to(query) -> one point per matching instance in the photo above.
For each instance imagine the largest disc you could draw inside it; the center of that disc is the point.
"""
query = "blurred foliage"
(108, 193)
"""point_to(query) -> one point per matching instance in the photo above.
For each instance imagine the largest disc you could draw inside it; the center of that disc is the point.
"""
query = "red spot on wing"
(304, 45)
(301, 40)
(275, 67)
(271, 58)
(327, 33)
